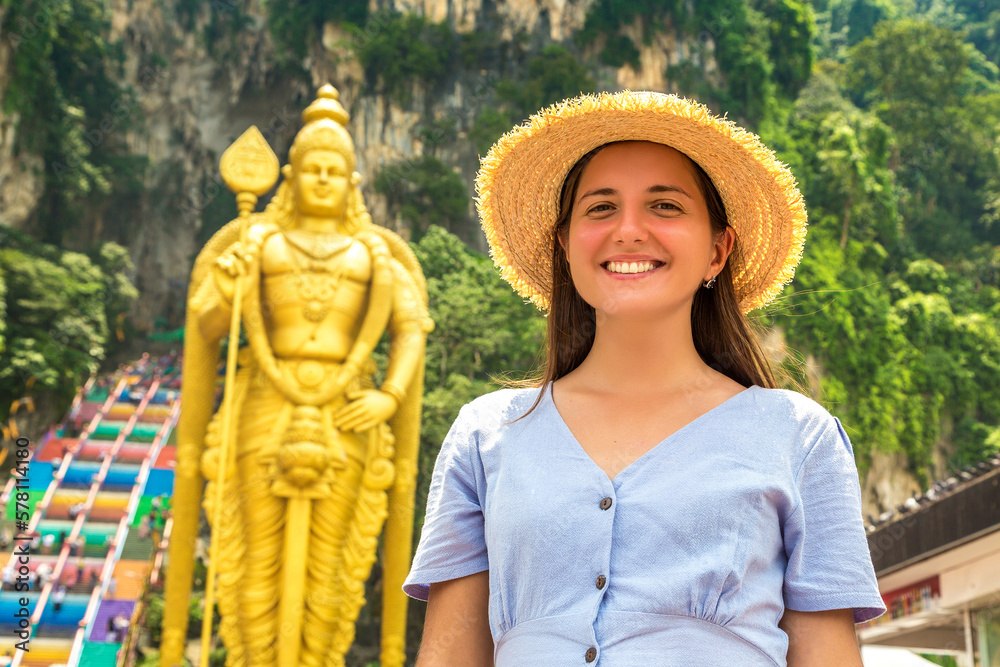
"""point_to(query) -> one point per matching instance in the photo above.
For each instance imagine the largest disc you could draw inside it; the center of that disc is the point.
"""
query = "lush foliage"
(553, 74)
(425, 191)
(482, 330)
(58, 315)
(403, 50)
(73, 110)
(895, 146)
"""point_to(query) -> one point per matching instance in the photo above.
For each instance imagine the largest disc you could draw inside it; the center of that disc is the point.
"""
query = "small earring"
(710, 283)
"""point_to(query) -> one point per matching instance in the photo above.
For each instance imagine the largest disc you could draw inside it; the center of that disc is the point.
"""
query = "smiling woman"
(655, 498)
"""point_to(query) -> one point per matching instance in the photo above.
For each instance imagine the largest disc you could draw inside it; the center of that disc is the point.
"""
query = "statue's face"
(322, 182)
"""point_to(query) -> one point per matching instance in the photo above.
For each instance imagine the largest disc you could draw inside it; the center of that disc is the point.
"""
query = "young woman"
(657, 501)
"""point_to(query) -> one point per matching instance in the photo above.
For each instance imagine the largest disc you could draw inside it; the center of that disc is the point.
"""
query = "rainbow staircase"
(93, 483)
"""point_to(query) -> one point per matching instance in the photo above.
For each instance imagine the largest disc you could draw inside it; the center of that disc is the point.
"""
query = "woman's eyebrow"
(669, 188)
(653, 189)
(598, 192)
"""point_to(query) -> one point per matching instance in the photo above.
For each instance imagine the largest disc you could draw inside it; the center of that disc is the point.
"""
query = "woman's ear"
(561, 240)
(723, 244)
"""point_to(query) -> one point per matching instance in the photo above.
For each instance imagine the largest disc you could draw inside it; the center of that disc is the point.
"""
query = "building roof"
(956, 510)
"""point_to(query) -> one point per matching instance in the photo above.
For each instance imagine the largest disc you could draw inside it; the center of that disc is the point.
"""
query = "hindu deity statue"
(322, 456)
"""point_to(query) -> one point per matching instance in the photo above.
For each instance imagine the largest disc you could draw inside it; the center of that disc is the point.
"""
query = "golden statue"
(306, 459)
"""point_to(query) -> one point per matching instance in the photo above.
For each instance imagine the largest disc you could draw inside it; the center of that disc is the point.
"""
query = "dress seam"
(735, 635)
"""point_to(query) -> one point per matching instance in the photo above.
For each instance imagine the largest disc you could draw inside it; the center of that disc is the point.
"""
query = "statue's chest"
(317, 259)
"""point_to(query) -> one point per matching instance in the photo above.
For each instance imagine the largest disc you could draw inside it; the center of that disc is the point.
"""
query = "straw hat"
(521, 178)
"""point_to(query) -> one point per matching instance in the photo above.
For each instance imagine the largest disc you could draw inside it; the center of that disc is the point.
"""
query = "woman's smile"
(631, 267)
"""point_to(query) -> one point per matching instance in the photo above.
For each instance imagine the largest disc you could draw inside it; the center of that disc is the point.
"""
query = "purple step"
(108, 610)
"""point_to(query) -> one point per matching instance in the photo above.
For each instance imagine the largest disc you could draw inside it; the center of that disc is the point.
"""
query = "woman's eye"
(600, 208)
(666, 206)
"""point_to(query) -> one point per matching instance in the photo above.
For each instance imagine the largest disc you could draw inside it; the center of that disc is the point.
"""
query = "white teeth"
(630, 267)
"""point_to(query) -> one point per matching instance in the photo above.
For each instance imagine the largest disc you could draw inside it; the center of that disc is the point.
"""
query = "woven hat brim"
(520, 181)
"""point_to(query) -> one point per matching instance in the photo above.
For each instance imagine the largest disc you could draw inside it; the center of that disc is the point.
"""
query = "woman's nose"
(631, 226)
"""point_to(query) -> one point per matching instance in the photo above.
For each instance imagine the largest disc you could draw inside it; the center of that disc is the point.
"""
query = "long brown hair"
(723, 336)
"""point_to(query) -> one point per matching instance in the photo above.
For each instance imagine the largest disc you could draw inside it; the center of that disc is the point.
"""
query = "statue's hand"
(367, 408)
(230, 266)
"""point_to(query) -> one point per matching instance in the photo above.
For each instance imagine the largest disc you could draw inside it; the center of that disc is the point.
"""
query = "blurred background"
(114, 113)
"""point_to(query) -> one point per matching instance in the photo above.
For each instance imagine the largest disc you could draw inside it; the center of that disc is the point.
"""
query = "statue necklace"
(318, 281)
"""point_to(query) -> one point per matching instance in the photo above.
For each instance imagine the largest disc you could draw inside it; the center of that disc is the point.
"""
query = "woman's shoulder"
(798, 415)
(501, 406)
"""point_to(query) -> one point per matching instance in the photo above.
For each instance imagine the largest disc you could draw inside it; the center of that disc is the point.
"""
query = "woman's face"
(639, 240)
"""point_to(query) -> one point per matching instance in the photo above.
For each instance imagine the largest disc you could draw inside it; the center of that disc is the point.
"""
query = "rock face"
(555, 19)
(20, 179)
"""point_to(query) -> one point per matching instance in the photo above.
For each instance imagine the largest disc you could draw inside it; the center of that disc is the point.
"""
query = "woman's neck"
(641, 356)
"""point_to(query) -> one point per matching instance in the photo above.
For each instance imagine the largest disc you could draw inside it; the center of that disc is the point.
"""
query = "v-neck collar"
(616, 482)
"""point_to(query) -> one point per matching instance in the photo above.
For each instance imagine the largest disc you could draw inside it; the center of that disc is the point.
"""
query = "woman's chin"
(631, 308)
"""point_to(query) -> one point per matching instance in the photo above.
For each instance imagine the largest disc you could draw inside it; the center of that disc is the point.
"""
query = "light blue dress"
(688, 557)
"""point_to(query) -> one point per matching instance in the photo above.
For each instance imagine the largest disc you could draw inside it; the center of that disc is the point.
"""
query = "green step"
(33, 498)
(137, 548)
(141, 432)
(99, 654)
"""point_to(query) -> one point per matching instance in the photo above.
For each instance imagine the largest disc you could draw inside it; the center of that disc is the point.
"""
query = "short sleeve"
(829, 564)
(452, 542)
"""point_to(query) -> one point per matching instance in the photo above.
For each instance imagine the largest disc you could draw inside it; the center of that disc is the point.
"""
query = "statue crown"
(326, 105)
(325, 126)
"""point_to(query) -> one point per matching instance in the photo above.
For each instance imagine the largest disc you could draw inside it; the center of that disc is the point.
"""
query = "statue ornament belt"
(304, 450)
(311, 449)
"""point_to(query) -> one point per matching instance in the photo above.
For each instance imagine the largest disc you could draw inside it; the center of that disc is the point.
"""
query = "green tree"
(791, 27)
(64, 84)
(425, 191)
(481, 330)
(916, 78)
(981, 21)
(864, 15)
(743, 54)
(407, 49)
(57, 310)
(852, 153)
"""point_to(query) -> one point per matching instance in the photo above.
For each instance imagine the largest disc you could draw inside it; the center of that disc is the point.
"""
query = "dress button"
(606, 503)
(591, 654)
(601, 580)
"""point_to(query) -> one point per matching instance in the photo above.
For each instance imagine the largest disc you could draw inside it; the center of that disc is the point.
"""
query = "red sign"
(912, 599)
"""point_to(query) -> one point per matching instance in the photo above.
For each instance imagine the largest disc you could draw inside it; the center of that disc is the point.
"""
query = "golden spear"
(249, 168)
